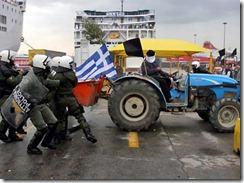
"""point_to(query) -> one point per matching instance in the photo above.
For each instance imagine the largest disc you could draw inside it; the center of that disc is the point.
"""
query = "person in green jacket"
(61, 131)
(66, 99)
(38, 86)
(9, 78)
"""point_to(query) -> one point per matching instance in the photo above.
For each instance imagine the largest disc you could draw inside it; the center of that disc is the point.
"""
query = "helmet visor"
(72, 65)
(46, 62)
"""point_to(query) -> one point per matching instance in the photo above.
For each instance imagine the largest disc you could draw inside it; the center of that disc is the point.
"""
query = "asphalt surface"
(178, 146)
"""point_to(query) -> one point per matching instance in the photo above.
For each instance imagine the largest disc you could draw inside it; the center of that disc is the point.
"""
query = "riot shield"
(24, 97)
(32, 88)
(15, 114)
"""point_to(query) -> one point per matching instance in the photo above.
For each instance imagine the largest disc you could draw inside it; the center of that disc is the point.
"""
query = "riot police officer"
(53, 64)
(60, 131)
(9, 78)
(65, 97)
(41, 115)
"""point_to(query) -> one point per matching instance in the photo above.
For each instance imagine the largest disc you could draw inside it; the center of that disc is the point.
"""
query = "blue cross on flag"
(100, 63)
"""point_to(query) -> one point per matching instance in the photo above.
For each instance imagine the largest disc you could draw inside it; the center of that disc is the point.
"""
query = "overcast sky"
(49, 23)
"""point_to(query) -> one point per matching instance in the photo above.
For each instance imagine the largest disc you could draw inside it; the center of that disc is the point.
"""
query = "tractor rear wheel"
(133, 105)
(224, 113)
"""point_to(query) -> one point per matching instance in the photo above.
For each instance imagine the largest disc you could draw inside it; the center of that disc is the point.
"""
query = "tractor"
(136, 101)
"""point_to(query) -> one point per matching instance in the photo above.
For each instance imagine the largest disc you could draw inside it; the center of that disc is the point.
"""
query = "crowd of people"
(230, 69)
(44, 94)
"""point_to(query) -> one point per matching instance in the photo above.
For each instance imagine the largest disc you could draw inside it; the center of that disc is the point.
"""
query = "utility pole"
(224, 31)
(122, 5)
(224, 23)
(195, 38)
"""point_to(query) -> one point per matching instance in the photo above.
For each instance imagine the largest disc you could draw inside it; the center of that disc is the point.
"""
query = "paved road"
(176, 147)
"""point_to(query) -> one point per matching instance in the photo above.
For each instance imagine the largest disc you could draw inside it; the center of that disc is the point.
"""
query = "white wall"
(133, 62)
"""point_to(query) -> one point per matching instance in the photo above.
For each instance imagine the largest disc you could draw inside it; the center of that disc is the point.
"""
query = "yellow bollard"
(237, 136)
(133, 140)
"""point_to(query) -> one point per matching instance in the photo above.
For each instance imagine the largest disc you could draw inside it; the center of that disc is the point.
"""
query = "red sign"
(21, 63)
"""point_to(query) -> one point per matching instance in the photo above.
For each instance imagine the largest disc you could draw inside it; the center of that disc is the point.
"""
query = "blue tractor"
(136, 101)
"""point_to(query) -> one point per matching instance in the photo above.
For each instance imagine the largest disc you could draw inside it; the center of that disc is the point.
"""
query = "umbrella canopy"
(163, 47)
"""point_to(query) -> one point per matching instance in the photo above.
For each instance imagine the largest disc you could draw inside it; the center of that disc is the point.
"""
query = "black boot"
(32, 147)
(56, 139)
(63, 135)
(66, 133)
(86, 129)
(34, 150)
(46, 142)
(89, 135)
(3, 129)
(13, 136)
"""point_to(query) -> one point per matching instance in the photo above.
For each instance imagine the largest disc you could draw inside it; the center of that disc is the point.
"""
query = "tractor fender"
(148, 80)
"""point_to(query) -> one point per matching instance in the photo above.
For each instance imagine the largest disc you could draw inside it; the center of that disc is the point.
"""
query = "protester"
(196, 67)
(150, 66)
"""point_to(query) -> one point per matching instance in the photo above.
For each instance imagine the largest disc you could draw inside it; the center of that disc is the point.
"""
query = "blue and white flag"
(100, 63)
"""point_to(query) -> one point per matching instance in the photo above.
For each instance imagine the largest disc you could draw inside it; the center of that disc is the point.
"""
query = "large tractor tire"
(204, 115)
(133, 105)
(224, 113)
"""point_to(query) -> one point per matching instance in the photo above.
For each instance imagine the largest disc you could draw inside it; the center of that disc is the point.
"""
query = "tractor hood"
(211, 80)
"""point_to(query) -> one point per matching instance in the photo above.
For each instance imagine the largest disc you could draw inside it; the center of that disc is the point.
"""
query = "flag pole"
(211, 62)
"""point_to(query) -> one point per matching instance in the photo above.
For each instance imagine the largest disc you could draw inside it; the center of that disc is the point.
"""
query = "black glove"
(15, 73)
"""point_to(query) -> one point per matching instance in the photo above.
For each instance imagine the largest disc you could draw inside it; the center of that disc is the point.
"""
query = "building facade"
(11, 23)
(118, 26)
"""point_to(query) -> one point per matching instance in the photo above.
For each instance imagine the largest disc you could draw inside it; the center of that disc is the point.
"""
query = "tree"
(93, 32)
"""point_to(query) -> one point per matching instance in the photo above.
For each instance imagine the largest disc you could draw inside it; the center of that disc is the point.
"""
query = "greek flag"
(100, 63)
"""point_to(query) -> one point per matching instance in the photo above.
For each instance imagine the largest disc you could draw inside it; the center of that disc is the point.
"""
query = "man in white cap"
(197, 68)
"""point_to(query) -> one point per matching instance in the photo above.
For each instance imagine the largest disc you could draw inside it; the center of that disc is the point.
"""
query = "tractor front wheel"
(224, 113)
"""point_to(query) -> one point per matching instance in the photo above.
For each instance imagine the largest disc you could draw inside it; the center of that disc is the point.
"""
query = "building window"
(3, 19)
(4, 29)
(3, 6)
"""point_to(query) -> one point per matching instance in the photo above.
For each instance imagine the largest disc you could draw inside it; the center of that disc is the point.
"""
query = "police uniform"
(41, 115)
(9, 78)
(65, 98)
(30, 96)
(51, 98)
